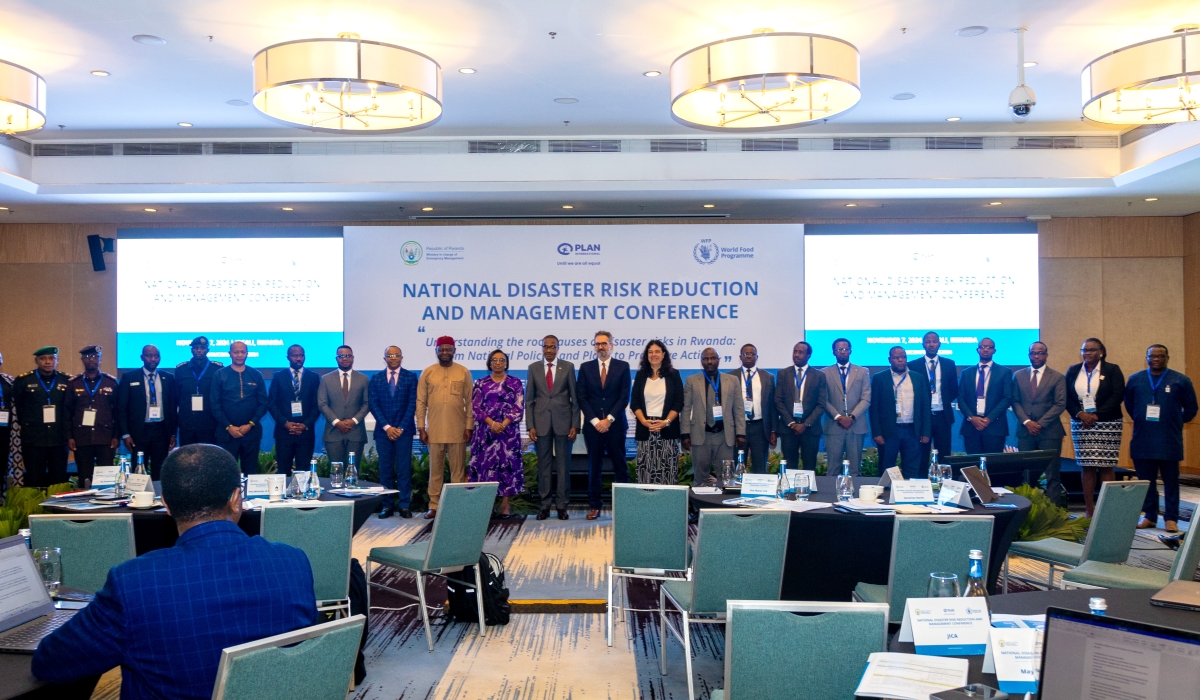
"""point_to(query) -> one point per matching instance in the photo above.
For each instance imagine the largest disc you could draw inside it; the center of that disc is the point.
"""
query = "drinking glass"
(947, 472)
(803, 488)
(337, 475)
(726, 472)
(943, 585)
(49, 563)
(296, 488)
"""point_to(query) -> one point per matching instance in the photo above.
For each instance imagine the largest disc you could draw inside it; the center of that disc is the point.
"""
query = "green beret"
(45, 350)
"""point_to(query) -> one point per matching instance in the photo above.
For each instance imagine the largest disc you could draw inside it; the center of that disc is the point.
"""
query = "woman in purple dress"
(498, 402)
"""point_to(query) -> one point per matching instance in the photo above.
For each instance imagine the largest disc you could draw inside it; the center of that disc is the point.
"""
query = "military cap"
(46, 350)
(199, 340)
(91, 350)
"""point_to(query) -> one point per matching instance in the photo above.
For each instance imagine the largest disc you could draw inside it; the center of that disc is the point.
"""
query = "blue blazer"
(999, 397)
(165, 616)
(611, 400)
(396, 410)
(282, 393)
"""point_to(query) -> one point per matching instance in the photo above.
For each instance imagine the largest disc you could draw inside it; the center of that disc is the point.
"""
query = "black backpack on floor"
(460, 586)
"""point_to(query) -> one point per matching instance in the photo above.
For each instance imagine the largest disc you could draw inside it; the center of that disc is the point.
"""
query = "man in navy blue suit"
(984, 394)
(292, 401)
(392, 395)
(147, 411)
(603, 391)
(900, 414)
(942, 375)
(165, 616)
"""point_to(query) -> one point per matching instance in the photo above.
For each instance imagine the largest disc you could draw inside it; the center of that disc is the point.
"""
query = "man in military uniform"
(7, 420)
(40, 399)
(92, 415)
(146, 411)
(239, 401)
(193, 380)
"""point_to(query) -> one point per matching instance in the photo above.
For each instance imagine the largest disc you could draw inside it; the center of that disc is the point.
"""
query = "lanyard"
(715, 386)
(799, 377)
(1089, 377)
(48, 389)
(150, 381)
(896, 385)
(91, 392)
(1154, 385)
(200, 376)
(749, 383)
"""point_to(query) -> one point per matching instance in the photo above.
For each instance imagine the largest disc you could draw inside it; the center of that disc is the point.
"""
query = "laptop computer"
(1184, 595)
(1090, 656)
(27, 614)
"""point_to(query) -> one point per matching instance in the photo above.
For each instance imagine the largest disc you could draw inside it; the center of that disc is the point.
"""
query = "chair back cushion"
(91, 545)
(323, 533)
(1187, 558)
(924, 544)
(461, 524)
(1111, 534)
(650, 527)
(739, 555)
(318, 664)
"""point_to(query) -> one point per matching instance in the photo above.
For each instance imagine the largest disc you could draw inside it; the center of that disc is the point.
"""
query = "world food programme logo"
(411, 253)
(564, 248)
(706, 252)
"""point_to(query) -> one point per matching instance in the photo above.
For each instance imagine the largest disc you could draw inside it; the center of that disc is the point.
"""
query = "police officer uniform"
(239, 398)
(92, 410)
(40, 403)
(193, 381)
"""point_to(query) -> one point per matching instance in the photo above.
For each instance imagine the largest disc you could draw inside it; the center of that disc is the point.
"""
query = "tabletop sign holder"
(979, 484)
(890, 476)
(1014, 655)
(946, 626)
(762, 485)
(258, 486)
(139, 482)
(810, 474)
(955, 493)
(912, 491)
(104, 477)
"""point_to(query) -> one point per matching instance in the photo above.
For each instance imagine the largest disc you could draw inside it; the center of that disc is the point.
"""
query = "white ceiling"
(598, 56)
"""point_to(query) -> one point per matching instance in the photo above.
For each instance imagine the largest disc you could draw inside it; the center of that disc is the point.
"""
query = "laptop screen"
(1098, 658)
(23, 596)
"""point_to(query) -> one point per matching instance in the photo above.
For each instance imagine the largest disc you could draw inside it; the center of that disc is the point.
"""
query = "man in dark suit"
(165, 616)
(984, 395)
(1039, 398)
(942, 376)
(239, 401)
(603, 392)
(800, 436)
(392, 396)
(552, 417)
(92, 410)
(758, 399)
(146, 411)
(292, 402)
(900, 414)
(193, 381)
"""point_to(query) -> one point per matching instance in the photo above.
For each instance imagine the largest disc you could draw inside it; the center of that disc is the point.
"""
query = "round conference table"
(829, 552)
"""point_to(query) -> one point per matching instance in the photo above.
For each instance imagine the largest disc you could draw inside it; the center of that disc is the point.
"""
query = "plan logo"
(706, 252)
(578, 249)
(411, 253)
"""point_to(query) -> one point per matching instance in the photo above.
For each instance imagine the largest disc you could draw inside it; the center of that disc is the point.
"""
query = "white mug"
(142, 499)
(869, 493)
(276, 483)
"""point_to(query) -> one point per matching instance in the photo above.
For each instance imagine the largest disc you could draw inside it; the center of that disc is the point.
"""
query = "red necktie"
(549, 380)
(603, 374)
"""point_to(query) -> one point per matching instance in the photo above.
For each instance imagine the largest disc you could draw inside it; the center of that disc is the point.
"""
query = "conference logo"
(578, 249)
(411, 253)
(706, 252)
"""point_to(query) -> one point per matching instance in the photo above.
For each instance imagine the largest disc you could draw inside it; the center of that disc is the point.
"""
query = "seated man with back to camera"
(165, 616)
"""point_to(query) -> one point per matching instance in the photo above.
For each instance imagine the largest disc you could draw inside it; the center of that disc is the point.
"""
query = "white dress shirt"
(904, 396)
(935, 387)
(349, 379)
(754, 405)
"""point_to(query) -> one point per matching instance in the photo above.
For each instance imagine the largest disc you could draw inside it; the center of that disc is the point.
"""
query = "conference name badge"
(718, 413)
(981, 406)
(912, 491)
(89, 418)
(1089, 403)
(946, 626)
(760, 485)
(155, 412)
(48, 414)
(197, 403)
(935, 402)
(297, 409)
(1015, 656)
(798, 410)
(3, 419)
(1153, 411)
(104, 476)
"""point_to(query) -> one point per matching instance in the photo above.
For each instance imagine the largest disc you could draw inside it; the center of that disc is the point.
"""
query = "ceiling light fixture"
(101, 73)
(22, 99)
(426, 208)
(709, 206)
(1029, 64)
(852, 205)
(150, 210)
(347, 84)
(1146, 83)
(974, 30)
(764, 81)
(953, 119)
(467, 71)
(287, 209)
(149, 40)
(994, 204)
(568, 206)
(3, 208)
(652, 73)
(1152, 199)
(185, 123)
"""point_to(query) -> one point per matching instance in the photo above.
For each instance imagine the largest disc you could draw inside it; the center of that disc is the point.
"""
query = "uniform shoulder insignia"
(73, 377)
(217, 363)
(110, 376)
(24, 374)
(181, 364)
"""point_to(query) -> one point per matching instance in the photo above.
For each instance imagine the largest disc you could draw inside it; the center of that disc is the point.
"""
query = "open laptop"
(1184, 595)
(27, 613)
(1088, 657)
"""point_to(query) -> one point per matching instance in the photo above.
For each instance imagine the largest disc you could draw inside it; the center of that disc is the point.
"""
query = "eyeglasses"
(389, 355)
(549, 347)
(344, 357)
(600, 345)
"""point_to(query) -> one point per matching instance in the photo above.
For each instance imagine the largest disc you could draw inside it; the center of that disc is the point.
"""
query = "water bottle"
(141, 463)
(740, 467)
(312, 492)
(351, 473)
(933, 458)
(983, 470)
(1098, 606)
(122, 477)
(845, 484)
(975, 587)
(935, 476)
(782, 486)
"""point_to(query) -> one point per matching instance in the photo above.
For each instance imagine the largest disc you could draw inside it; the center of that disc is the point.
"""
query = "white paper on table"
(857, 505)
(1035, 622)
(707, 490)
(910, 677)
(760, 485)
(946, 626)
(74, 494)
(796, 506)
(1000, 491)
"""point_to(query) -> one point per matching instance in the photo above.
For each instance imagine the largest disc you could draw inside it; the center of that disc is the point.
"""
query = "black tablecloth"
(828, 552)
(156, 530)
(1124, 604)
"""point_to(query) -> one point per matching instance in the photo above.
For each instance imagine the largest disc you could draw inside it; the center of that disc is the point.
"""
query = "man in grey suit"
(552, 416)
(800, 399)
(849, 397)
(713, 418)
(1040, 397)
(343, 401)
(758, 398)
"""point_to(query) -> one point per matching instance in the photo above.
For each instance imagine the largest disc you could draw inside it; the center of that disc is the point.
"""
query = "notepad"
(910, 677)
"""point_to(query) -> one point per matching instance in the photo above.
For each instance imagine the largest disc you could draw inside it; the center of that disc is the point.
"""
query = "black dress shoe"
(543, 514)
(562, 514)
(385, 513)
(405, 513)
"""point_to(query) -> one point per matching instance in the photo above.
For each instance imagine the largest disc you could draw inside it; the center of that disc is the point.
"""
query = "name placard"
(258, 486)
(912, 491)
(1015, 656)
(760, 484)
(891, 476)
(794, 477)
(946, 626)
(139, 482)
(955, 493)
(105, 476)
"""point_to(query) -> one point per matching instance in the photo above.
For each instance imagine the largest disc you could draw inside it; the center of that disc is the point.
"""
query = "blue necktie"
(153, 392)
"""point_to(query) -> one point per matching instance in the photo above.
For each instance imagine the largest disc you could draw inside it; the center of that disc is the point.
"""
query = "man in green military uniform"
(40, 398)
(92, 410)
(193, 379)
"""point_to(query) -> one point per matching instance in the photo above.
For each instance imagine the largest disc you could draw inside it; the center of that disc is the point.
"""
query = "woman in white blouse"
(656, 400)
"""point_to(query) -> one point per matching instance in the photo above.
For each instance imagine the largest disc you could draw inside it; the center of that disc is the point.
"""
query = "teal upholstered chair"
(311, 663)
(650, 539)
(921, 545)
(459, 529)
(324, 533)
(1108, 540)
(1097, 574)
(772, 647)
(739, 556)
(90, 544)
